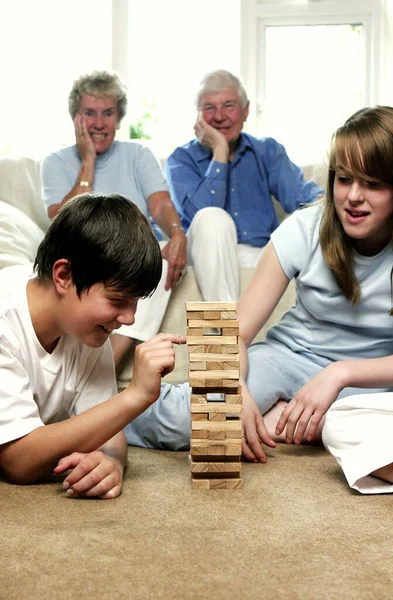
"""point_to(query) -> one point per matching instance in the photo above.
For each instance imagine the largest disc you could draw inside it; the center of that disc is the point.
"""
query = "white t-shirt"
(38, 388)
(323, 322)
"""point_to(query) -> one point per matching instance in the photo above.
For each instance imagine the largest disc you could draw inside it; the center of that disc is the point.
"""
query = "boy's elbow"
(15, 467)
(17, 473)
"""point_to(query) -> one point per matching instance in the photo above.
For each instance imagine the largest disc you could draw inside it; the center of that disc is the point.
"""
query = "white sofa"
(23, 221)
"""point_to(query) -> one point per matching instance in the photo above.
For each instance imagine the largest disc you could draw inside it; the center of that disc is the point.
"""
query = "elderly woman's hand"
(84, 143)
(175, 252)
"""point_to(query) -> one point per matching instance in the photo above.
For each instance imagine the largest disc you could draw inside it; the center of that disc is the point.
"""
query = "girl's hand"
(303, 414)
(254, 431)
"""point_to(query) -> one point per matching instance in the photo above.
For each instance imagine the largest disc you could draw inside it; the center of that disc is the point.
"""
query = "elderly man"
(222, 185)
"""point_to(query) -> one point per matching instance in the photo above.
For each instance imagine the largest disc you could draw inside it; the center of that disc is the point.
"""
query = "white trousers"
(358, 432)
(216, 257)
(150, 311)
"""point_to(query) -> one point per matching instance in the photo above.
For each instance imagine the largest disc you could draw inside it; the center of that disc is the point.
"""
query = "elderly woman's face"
(101, 118)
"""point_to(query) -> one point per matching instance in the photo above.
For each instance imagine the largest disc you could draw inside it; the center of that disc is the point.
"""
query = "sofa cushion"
(19, 237)
(20, 187)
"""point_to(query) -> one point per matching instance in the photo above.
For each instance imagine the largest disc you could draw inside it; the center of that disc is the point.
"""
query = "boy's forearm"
(116, 449)
(34, 456)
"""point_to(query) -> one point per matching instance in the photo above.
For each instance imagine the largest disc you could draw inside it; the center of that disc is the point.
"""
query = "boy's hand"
(94, 475)
(153, 360)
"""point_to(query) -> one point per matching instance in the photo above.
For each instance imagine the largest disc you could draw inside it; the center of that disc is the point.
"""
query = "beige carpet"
(294, 531)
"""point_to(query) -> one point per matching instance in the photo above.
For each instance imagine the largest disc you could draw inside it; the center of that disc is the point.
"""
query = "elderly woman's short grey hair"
(218, 81)
(98, 83)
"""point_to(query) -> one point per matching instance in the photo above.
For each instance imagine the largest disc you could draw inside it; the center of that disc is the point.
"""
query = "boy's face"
(91, 317)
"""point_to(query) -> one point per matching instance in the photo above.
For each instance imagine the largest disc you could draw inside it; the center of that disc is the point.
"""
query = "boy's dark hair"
(105, 238)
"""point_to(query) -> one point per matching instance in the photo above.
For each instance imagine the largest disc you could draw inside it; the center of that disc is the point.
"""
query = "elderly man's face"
(224, 112)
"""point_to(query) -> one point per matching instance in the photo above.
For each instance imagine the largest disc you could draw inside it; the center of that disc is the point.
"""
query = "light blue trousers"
(275, 373)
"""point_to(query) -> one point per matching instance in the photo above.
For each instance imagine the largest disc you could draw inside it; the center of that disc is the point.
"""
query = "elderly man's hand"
(210, 137)
(175, 252)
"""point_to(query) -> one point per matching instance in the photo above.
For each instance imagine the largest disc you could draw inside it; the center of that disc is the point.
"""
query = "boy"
(98, 257)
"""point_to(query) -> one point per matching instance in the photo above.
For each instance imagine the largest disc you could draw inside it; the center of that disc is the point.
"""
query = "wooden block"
(195, 314)
(214, 366)
(229, 365)
(198, 399)
(228, 381)
(200, 484)
(227, 315)
(208, 356)
(216, 416)
(200, 416)
(213, 340)
(231, 389)
(197, 366)
(194, 332)
(229, 426)
(233, 450)
(234, 374)
(234, 484)
(217, 484)
(199, 434)
(234, 349)
(213, 323)
(205, 447)
(202, 383)
(216, 407)
(208, 314)
(205, 349)
(216, 434)
(233, 435)
(211, 306)
(234, 399)
(216, 467)
(230, 330)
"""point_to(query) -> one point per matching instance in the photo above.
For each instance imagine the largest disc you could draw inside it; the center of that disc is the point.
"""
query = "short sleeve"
(294, 239)
(19, 414)
(150, 174)
(97, 381)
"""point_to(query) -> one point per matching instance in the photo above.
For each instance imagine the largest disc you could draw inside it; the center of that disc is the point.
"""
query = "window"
(44, 46)
(314, 63)
(172, 44)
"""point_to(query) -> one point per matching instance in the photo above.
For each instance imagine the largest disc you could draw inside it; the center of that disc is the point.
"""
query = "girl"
(337, 340)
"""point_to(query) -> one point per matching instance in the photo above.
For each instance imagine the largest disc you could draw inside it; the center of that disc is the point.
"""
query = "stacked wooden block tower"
(216, 400)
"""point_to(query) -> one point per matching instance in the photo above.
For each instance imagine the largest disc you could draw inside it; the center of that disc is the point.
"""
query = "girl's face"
(365, 210)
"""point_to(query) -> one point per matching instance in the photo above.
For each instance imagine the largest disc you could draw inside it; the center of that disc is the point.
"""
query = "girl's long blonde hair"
(363, 148)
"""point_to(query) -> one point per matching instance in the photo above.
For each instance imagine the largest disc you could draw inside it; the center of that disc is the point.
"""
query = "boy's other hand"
(153, 360)
(94, 475)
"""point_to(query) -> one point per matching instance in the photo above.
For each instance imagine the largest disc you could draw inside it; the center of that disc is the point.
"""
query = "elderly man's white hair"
(218, 81)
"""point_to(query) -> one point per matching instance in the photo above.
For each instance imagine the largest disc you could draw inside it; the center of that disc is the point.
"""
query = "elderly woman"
(97, 103)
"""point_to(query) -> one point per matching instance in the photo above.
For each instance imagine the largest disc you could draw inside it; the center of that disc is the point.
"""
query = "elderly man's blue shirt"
(260, 169)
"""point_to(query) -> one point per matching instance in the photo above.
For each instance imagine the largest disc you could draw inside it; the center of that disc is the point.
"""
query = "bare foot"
(385, 473)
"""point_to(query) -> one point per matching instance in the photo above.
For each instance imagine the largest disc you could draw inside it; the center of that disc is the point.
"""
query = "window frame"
(257, 15)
